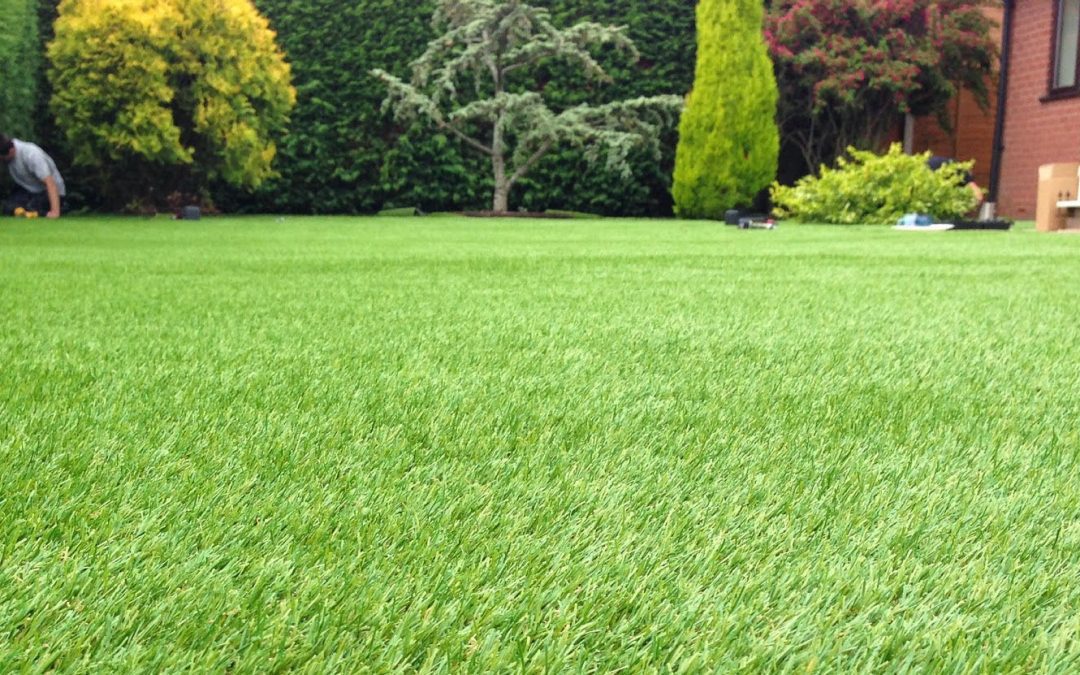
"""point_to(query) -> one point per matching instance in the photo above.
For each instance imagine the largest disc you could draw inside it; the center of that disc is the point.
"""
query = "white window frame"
(1065, 61)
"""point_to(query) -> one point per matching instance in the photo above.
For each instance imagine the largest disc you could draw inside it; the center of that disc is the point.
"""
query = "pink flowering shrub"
(848, 70)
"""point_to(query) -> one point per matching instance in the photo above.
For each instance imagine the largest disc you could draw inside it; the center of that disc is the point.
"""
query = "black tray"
(982, 224)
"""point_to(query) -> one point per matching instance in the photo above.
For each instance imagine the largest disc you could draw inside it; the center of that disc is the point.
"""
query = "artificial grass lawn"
(346, 444)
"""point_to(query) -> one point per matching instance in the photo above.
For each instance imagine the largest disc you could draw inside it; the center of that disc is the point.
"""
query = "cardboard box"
(1057, 182)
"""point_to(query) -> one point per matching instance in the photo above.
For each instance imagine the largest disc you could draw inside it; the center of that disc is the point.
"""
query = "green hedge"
(345, 155)
(663, 32)
(20, 68)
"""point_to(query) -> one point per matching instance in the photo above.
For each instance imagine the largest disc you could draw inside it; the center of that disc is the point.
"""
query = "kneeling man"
(39, 187)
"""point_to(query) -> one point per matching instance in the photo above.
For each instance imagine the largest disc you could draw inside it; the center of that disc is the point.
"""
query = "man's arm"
(977, 191)
(54, 197)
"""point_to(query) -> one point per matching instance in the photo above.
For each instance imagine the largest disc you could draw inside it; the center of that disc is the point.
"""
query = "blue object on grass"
(918, 219)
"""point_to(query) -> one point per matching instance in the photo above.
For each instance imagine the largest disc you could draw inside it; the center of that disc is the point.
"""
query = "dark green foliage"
(663, 32)
(728, 140)
(20, 68)
(566, 177)
(425, 169)
(332, 159)
(344, 154)
(48, 135)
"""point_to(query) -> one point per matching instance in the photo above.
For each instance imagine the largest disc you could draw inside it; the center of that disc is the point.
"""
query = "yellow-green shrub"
(877, 189)
(166, 95)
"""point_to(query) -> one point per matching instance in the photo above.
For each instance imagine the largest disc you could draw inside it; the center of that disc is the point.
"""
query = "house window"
(1067, 50)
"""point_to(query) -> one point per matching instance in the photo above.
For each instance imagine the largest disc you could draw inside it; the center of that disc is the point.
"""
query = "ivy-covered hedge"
(20, 68)
(345, 155)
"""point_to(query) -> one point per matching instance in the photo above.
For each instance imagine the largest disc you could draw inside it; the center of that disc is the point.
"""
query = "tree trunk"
(501, 200)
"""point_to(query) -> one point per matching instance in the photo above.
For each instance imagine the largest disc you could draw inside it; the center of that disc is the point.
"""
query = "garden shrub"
(20, 63)
(728, 140)
(160, 96)
(877, 189)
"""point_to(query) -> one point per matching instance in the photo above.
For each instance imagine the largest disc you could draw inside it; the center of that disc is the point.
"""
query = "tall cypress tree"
(728, 140)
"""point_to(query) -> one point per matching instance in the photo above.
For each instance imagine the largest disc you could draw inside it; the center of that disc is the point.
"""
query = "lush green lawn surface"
(382, 444)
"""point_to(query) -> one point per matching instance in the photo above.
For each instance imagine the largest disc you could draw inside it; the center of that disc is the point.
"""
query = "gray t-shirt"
(32, 166)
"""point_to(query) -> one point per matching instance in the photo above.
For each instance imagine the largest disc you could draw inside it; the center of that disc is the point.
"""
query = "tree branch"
(519, 172)
(443, 124)
(522, 64)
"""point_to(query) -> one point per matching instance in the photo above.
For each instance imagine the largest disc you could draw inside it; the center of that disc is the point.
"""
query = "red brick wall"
(973, 127)
(1036, 132)
(972, 137)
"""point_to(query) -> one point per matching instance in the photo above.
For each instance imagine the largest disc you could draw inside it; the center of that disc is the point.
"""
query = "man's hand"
(977, 191)
(54, 198)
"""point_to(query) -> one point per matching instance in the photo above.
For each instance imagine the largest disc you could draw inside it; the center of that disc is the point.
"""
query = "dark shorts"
(31, 201)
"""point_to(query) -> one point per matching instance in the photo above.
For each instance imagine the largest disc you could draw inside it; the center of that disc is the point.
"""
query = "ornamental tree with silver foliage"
(474, 83)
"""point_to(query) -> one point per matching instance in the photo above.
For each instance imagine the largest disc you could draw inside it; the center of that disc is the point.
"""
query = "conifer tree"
(728, 140)
(476, 82)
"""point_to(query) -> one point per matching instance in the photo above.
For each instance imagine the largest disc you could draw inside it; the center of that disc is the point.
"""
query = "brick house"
(1040, 111)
